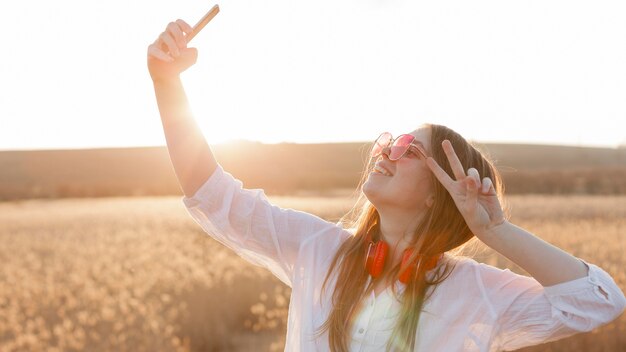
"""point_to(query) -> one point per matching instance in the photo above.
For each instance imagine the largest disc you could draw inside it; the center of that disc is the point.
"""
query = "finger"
(184, 26)
(487, 186)
(440, 174)
(177, 33)
(472, 189)
(170, 44)
(156, 52)
(474, 174)
(455, 163)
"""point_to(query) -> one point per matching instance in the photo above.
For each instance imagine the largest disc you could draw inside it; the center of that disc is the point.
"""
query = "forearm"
(548, 264)
(189, 151)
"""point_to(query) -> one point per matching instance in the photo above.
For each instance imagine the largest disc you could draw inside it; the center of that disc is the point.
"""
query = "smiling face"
(404, 184)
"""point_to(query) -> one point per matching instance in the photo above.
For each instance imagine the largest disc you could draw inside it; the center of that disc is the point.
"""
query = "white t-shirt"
(477, 308)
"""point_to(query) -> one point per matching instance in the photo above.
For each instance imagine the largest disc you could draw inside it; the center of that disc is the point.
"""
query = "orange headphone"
(377, 253)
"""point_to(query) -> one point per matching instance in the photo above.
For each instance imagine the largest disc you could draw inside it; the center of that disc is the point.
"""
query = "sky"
(73, 73)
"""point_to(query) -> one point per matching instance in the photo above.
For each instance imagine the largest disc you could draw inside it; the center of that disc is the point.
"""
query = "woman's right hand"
(169, 55)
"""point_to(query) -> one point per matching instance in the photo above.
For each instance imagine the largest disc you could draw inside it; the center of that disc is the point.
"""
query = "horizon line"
(247, 141)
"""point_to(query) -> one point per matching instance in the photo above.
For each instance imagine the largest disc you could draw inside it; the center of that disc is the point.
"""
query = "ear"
(430, 201)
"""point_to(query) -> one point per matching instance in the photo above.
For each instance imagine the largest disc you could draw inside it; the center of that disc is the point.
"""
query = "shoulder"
(329, 238)
(459, 273)
(477, 285)
(465, 266)
(469, 275)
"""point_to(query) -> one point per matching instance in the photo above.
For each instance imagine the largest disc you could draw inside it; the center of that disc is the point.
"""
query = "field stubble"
(138, 274)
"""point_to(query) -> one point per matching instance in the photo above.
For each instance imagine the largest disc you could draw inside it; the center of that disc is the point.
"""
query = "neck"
(398, 230)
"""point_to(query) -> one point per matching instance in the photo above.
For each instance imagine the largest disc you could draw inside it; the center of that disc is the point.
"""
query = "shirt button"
(361, 330)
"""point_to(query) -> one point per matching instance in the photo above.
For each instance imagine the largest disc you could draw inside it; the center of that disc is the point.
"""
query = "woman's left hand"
(476, 200)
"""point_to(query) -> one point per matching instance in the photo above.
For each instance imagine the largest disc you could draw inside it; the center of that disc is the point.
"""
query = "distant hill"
(289, 168)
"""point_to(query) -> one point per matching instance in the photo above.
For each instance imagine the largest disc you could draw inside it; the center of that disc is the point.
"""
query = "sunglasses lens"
(381, 142)
(400, 146)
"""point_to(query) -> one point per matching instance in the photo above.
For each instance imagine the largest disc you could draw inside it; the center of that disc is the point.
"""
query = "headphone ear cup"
(380, 253)
(409, 272)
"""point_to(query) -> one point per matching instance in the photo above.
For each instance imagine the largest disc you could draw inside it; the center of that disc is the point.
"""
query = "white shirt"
(477, 308)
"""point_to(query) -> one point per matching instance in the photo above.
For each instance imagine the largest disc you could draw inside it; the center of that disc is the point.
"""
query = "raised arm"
(189, 151)
(478, 203)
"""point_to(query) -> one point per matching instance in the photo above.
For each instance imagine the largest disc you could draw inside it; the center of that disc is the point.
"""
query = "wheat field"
(137, 274)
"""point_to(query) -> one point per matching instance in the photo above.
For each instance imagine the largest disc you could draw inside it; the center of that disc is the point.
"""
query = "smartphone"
(203, 22)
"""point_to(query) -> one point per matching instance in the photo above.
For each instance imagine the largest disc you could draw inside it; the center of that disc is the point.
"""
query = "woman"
(386, 277)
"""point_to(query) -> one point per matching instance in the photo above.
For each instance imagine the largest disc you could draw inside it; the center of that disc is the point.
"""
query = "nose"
(385, 152)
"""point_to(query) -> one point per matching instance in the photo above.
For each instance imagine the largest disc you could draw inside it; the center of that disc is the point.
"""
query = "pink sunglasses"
(398, 146)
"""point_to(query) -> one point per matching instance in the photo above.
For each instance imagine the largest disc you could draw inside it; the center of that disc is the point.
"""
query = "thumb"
(188, 57)
(190, 52)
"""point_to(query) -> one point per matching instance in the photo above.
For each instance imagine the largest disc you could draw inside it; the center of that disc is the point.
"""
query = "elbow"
(612, 308)
(614, 302)
(619, 305)
(593, 317)
(609, 302)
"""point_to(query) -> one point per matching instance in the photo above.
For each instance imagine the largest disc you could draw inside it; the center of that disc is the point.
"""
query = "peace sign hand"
(477, 201)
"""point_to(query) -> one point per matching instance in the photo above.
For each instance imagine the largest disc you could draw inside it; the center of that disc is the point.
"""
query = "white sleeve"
(528, 313)
(246, 222)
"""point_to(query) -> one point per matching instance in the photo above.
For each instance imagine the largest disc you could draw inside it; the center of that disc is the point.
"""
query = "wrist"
(494, 231)
(165, 80)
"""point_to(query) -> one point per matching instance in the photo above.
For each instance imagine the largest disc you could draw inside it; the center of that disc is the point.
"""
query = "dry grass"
(124, 274)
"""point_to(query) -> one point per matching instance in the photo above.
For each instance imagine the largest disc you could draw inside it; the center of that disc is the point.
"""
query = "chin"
(368, 187)
(373, 194)
(368, 191)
